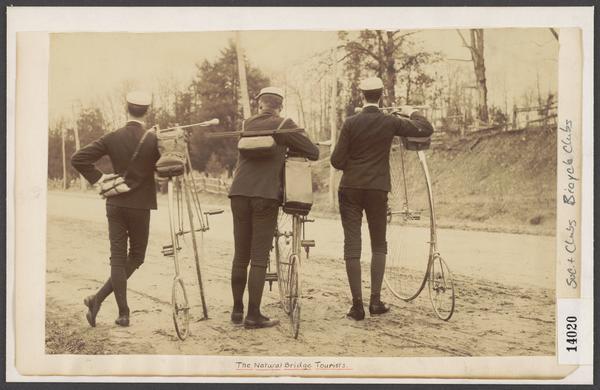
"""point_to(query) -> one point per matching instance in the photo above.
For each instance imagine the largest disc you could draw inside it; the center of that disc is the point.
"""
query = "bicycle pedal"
(167, 250)
(307, 243)
(271, 277)
(213, 212)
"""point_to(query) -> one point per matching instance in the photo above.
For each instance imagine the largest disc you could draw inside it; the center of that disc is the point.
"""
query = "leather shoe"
(122, 320)
(260, 322)
(356, 312)
(379, 307)
(237, 317)
(93, 309)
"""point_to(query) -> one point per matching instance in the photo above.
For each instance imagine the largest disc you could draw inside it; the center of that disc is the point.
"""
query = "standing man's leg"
(350, 202)
(117, 233)
(264, 222)
(138, 229)
(376, 211)
(242, 237)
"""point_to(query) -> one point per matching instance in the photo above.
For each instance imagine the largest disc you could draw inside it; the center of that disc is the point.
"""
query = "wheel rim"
(181, 309)
(294, 294)
(410, 228)
(282, 247)
(441, 288)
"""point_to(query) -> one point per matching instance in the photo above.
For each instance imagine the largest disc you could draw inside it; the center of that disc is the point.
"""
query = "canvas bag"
(416, 143)
(172, 148)
(114, 183)
(298, 191)
(258, 147)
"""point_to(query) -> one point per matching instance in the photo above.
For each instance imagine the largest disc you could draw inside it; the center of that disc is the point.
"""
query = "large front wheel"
(411, 224)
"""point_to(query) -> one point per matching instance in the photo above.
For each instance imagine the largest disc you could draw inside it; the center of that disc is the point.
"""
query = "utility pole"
(82, 182)
(333, 126)
(242, 73)
(64, 159)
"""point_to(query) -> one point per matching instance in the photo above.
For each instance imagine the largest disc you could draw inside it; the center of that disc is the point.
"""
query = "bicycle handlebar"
(257, 133)
(212, 122)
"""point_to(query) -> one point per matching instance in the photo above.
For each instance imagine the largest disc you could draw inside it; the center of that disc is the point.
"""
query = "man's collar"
(371, 104)
(131, 120)
(267, 111)
(370, 107)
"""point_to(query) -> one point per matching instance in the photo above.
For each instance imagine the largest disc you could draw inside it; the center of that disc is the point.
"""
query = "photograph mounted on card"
(413, 207)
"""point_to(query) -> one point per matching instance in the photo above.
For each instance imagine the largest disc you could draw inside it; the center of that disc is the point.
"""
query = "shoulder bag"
(114, 183)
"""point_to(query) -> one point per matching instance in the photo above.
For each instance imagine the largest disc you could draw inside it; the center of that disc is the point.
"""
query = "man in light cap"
(128, 213)
(256, 193)
(362, 153)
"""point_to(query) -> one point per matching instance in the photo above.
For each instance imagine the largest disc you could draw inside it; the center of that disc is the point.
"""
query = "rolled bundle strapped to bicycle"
(172, 146)
(297, 194)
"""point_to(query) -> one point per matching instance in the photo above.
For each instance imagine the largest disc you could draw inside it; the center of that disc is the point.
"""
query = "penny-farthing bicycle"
(414, 260)
(187, 221)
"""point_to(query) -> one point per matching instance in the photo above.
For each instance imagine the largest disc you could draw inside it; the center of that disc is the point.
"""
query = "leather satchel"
(259, 147)
(114, 183)
(298, 191)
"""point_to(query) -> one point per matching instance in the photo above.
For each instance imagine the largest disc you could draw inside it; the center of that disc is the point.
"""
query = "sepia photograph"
(446, 140)
(325, 203)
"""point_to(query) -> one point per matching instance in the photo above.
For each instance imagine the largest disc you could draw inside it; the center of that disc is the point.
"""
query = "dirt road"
(504, 285)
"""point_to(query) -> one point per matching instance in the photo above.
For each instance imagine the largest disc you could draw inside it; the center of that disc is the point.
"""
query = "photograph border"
(37, 195)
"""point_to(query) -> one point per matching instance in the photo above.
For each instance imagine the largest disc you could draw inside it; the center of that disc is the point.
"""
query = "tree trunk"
(476, 50)
(479, 65)
(333, 125)
(390, 68)
(242, 74)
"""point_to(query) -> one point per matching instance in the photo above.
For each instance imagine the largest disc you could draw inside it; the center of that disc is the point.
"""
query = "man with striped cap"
(362, 153)
(128, 213)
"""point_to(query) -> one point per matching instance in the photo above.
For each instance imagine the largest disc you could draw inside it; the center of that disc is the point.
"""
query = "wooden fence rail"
(212, 185)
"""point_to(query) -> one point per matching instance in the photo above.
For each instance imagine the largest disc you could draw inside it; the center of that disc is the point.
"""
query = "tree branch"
(355, 45)
(464, 40)
(402, 37)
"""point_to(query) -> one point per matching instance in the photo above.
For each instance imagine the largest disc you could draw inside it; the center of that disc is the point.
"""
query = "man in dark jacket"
(363, 152)
(256, 194)
(128, 213)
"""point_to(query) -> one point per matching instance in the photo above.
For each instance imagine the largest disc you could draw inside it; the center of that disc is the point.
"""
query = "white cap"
(370, 84)
(271, 91)
(139, 98)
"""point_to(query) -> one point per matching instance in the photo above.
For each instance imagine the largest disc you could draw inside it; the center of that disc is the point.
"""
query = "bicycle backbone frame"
(183, 201)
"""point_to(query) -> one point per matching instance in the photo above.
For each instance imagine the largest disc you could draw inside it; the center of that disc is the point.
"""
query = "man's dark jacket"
(363, 149)
(120, 145)
(263, 178)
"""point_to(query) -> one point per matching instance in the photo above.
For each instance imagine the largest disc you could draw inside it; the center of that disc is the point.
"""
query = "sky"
(87, 67)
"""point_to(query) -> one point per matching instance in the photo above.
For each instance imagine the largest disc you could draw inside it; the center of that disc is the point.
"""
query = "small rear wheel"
(441, 288)
(181, 309)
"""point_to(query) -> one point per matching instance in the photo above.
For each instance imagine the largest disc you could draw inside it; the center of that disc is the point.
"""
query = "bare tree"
(476, 49)
(380, 49)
